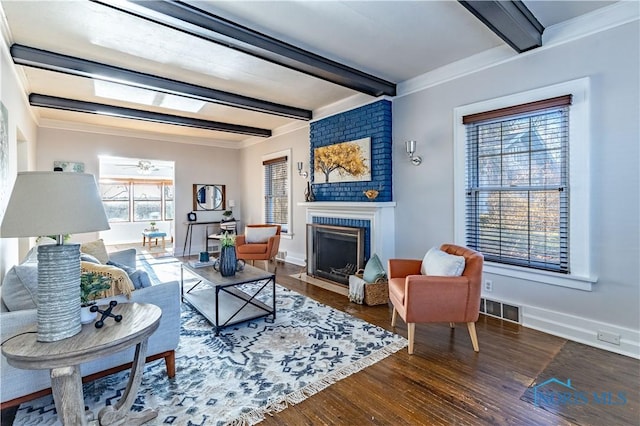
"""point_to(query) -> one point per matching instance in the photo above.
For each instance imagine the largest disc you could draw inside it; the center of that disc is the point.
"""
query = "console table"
(189, 235)
(64, 357)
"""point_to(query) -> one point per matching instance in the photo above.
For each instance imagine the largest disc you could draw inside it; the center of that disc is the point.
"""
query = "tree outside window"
(130, 200)
(517, 187)
(115, 197)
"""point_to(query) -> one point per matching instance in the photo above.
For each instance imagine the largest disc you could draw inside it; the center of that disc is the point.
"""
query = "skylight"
(122, 92)
(181, 103)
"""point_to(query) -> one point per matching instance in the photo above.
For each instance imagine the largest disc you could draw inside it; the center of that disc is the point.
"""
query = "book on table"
(198, 264)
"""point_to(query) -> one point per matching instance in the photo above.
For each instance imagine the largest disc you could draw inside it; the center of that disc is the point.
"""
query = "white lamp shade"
(53, 203)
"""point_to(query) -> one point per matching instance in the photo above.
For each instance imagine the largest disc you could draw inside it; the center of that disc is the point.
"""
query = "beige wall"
(193, 164)
(252, 176)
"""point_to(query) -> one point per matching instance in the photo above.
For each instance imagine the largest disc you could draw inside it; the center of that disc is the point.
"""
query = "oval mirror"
(208, 197)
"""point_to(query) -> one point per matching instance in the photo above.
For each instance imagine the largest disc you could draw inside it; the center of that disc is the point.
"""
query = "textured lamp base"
(58, 292)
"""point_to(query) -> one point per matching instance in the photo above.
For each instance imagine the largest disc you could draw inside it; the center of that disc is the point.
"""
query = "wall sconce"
(416, 160)
(300, 172)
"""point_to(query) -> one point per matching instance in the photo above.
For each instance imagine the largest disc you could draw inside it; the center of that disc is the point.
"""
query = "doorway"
(138, 195)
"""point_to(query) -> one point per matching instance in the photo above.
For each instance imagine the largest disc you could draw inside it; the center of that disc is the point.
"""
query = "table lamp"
(55, 203)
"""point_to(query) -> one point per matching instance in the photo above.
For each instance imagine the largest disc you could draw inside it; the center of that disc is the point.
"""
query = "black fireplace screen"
(334, 252)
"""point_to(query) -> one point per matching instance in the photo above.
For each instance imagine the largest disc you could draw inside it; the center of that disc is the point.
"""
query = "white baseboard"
(291, 258)
(582, 330)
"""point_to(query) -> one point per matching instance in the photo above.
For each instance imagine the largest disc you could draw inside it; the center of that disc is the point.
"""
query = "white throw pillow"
(438, 263)
(259, 235)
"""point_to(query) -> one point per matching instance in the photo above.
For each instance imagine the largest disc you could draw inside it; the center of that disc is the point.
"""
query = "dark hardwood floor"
(446, 383)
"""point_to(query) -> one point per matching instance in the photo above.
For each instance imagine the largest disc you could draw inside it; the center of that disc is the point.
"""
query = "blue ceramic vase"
(228, 261)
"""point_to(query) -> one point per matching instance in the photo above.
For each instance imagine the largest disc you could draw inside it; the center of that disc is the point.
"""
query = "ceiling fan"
(144, 167)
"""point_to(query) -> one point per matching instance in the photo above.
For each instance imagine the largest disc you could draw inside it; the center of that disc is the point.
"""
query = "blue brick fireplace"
(344, 203)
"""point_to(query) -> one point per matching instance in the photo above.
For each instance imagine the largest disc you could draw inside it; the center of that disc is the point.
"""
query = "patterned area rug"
(250, 370)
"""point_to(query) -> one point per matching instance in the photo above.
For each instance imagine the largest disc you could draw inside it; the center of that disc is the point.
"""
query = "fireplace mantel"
(351, 205)
(380, 214)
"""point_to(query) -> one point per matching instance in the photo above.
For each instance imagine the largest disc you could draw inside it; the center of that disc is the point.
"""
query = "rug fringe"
(255, 416)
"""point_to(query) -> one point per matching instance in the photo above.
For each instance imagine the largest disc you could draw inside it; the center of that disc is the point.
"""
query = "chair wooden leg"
(394, 317)
(170, 362)
(411, 332)
(474, 337)
(452, 324)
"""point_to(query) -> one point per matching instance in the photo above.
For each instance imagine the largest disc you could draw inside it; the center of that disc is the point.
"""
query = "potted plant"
(92, 285)
(227, 216)
(153, 226)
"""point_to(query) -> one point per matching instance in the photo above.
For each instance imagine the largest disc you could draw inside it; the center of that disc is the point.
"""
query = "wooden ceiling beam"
(38, 58)
(197, 22)
(45, 101)
(511, 20)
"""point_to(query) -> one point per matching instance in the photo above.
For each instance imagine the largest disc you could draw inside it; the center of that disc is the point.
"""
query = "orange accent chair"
(263, 250)
(426, 298)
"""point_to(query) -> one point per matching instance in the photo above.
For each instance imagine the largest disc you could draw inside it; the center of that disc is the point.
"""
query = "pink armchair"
(421, 298)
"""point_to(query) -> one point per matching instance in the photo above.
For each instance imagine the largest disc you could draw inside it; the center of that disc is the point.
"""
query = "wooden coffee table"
(223, 303)
(64, 357)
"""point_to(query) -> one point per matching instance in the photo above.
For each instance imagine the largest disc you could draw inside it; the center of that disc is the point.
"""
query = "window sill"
(570, 281)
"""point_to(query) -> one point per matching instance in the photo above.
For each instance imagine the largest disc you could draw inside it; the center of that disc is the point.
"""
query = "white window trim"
(580, 256)
(266, 157)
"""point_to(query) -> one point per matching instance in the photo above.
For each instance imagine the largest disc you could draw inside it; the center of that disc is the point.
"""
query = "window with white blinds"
(276, 192)
(517, 184)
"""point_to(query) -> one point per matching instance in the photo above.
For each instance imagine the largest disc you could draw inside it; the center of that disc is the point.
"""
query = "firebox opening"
(334, 252)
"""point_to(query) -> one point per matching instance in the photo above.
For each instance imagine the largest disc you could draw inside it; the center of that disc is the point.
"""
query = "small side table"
(64, 357)
(147, 236)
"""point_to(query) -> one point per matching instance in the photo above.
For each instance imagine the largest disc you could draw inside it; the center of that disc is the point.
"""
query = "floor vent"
(500, 310)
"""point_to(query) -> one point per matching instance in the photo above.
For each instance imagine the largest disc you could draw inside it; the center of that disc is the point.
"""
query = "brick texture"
(372, 120)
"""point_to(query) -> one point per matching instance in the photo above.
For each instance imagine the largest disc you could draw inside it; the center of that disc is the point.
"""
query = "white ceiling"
(393, 40)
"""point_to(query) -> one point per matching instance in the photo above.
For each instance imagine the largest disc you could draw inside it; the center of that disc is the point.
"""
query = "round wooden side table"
(64, 357)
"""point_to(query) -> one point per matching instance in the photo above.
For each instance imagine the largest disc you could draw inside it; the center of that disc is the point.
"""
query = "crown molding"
(138, 134)
(597, 21)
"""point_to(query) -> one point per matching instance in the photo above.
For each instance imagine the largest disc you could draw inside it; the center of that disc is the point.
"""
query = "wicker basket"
(375, 293)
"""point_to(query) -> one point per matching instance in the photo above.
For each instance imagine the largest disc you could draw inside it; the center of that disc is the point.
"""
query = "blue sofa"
(30, 384)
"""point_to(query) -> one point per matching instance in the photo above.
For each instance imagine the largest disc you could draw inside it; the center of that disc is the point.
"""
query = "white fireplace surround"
(381, 217)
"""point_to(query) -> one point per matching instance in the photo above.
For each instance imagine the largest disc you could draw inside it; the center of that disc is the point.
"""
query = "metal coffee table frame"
(224, 304)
